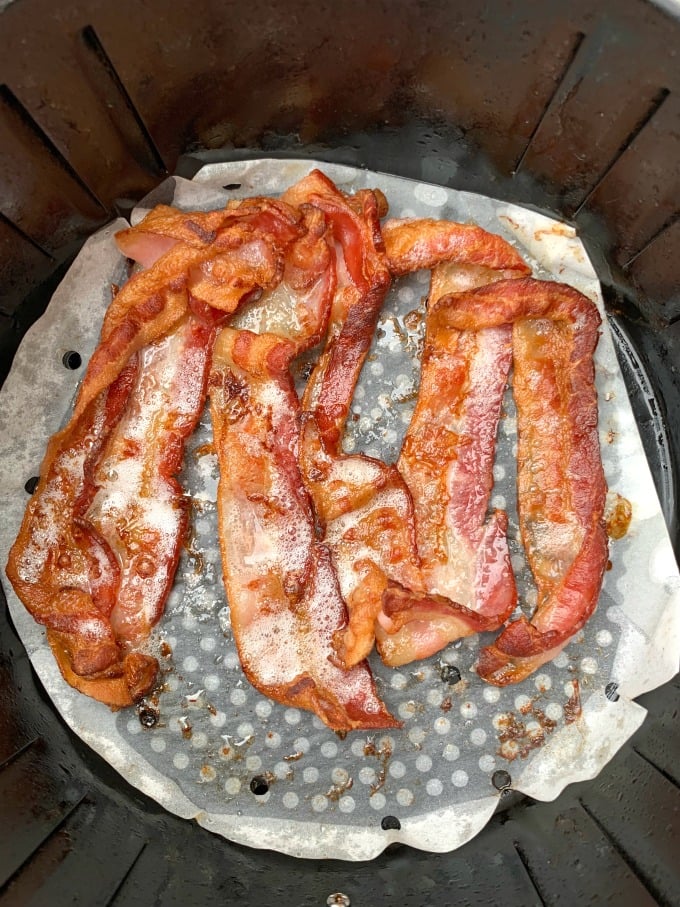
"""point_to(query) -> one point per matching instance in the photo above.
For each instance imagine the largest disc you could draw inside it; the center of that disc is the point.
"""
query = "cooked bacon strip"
(139, 508)
(298, 308)
(374, 497)
(107, 518)
(363, 280)
(153, 302)
(561, 485)
(447, 463)
(422, 243)
(283, 595)
(100, 540)
(65, 574)
(163, 227)
(366, 514)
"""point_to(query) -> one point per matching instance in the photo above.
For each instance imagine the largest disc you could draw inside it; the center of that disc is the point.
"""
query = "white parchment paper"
(327, 796)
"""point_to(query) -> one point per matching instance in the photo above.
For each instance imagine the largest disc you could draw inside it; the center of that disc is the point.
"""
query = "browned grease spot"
(514, 738)
(572, 708)
(383, 755)
(204, 449)
(513, 223)
(337, 790)
(611, 436)
(618, 516)
(166, 649)
(554, 230)
(195, 555)
(293, 757)
(446, 704)
(413, 320)
(187, 730)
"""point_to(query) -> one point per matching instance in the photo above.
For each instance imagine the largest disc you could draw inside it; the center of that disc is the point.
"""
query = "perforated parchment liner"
(328, 796)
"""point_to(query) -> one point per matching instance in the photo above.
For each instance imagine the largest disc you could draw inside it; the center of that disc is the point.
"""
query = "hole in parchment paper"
(610, 692)
(230, 186)
(450, 674)
(72, 360)
(388, 822)
(259, 785)
(501, 780)
(32, 484)
(148, 715)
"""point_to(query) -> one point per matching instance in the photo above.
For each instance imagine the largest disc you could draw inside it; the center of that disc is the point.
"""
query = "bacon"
(139, 507)
(153, 302)
(372, 537)
(107, 519)
(362, 281)
(64, 572)
(561, 485)
(447, 463)
(366, 514)
(100, 540)
(163, 227)
(413, 244)
(298, 308)
(283, 594)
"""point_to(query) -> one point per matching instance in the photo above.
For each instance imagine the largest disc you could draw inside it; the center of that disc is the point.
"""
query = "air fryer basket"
(573, 109)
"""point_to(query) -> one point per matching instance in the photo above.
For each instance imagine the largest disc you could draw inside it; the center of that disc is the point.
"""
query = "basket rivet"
(338, 900)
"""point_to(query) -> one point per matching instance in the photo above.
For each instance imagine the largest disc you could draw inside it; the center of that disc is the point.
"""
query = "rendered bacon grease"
(325, 555)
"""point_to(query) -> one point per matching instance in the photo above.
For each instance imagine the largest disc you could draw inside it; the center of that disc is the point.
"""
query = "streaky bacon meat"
(154, 301)
(372, 539)
(447, 463)
(362, 281)
(366, 515)
(298, 308)
(241, 220)
(283, 595)
(64, 573)
(423, 243)
(107, 518)
(138, 507)
(99, 545)
(561, 485)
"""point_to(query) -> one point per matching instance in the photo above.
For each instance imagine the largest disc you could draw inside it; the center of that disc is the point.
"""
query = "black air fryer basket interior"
(573, 109)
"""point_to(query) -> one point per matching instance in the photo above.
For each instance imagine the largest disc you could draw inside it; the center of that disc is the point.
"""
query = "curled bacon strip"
(139, 507)
(362, 281)
(164, 227)
(366, 513)
(412, 244)
(283, 594)
(561, 485)
(298, 308)
(447, 463)
(63, 571)
(99, 544)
